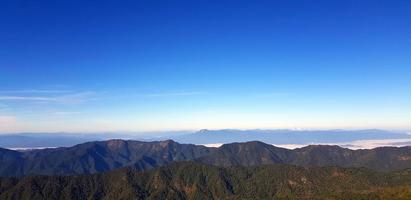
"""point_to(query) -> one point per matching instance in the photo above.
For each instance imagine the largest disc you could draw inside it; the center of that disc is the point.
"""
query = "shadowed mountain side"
(11, 163)
(257, 153)
(189, 180)
(99, 156)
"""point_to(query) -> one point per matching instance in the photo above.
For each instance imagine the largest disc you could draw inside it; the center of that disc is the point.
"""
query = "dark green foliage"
(95, 157)
(189, 180)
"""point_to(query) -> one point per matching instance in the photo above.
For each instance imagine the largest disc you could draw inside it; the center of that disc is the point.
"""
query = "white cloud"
(357, 144)
(213, 145)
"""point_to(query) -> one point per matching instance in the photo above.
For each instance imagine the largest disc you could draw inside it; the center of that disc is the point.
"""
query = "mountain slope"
(188, 180)
(11, 162)
(257, 153)
(246, 154)
(381, 159)
(100, 156)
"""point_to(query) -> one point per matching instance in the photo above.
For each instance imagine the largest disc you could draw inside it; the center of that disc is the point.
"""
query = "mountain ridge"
(102, 156)
(206, 136)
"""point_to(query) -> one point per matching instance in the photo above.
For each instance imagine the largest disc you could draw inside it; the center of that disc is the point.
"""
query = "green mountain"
(190, 180)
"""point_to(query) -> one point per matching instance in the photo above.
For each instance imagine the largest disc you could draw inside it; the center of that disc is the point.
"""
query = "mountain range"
(287, 136)
(278, 137)
(103, 156)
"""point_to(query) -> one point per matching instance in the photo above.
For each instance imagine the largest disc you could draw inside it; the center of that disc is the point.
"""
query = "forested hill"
(190, 180)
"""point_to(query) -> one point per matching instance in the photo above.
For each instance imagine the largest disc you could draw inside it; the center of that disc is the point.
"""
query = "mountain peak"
(115, 143)
(167, 143)
(203, 131)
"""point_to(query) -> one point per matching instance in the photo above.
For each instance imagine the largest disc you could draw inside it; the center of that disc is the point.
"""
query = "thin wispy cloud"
(171, 94)
(27, 98)
(34, 91)
(77, 97)
(356, 144)
(70, 97)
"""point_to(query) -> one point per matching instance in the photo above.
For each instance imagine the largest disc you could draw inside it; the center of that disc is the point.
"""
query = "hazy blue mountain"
(287, 136)
(58, 139)
(35, 140)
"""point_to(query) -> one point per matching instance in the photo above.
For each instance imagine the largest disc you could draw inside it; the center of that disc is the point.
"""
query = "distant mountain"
(286, 136)
(41, 140)
(28, 141)
(189, 180)
(62, 139)
(102, 156)
(277, 137)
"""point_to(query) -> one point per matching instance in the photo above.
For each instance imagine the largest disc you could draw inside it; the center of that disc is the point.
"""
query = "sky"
(92, 66)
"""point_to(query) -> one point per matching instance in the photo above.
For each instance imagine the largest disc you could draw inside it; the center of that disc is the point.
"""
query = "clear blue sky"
(79, 66)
